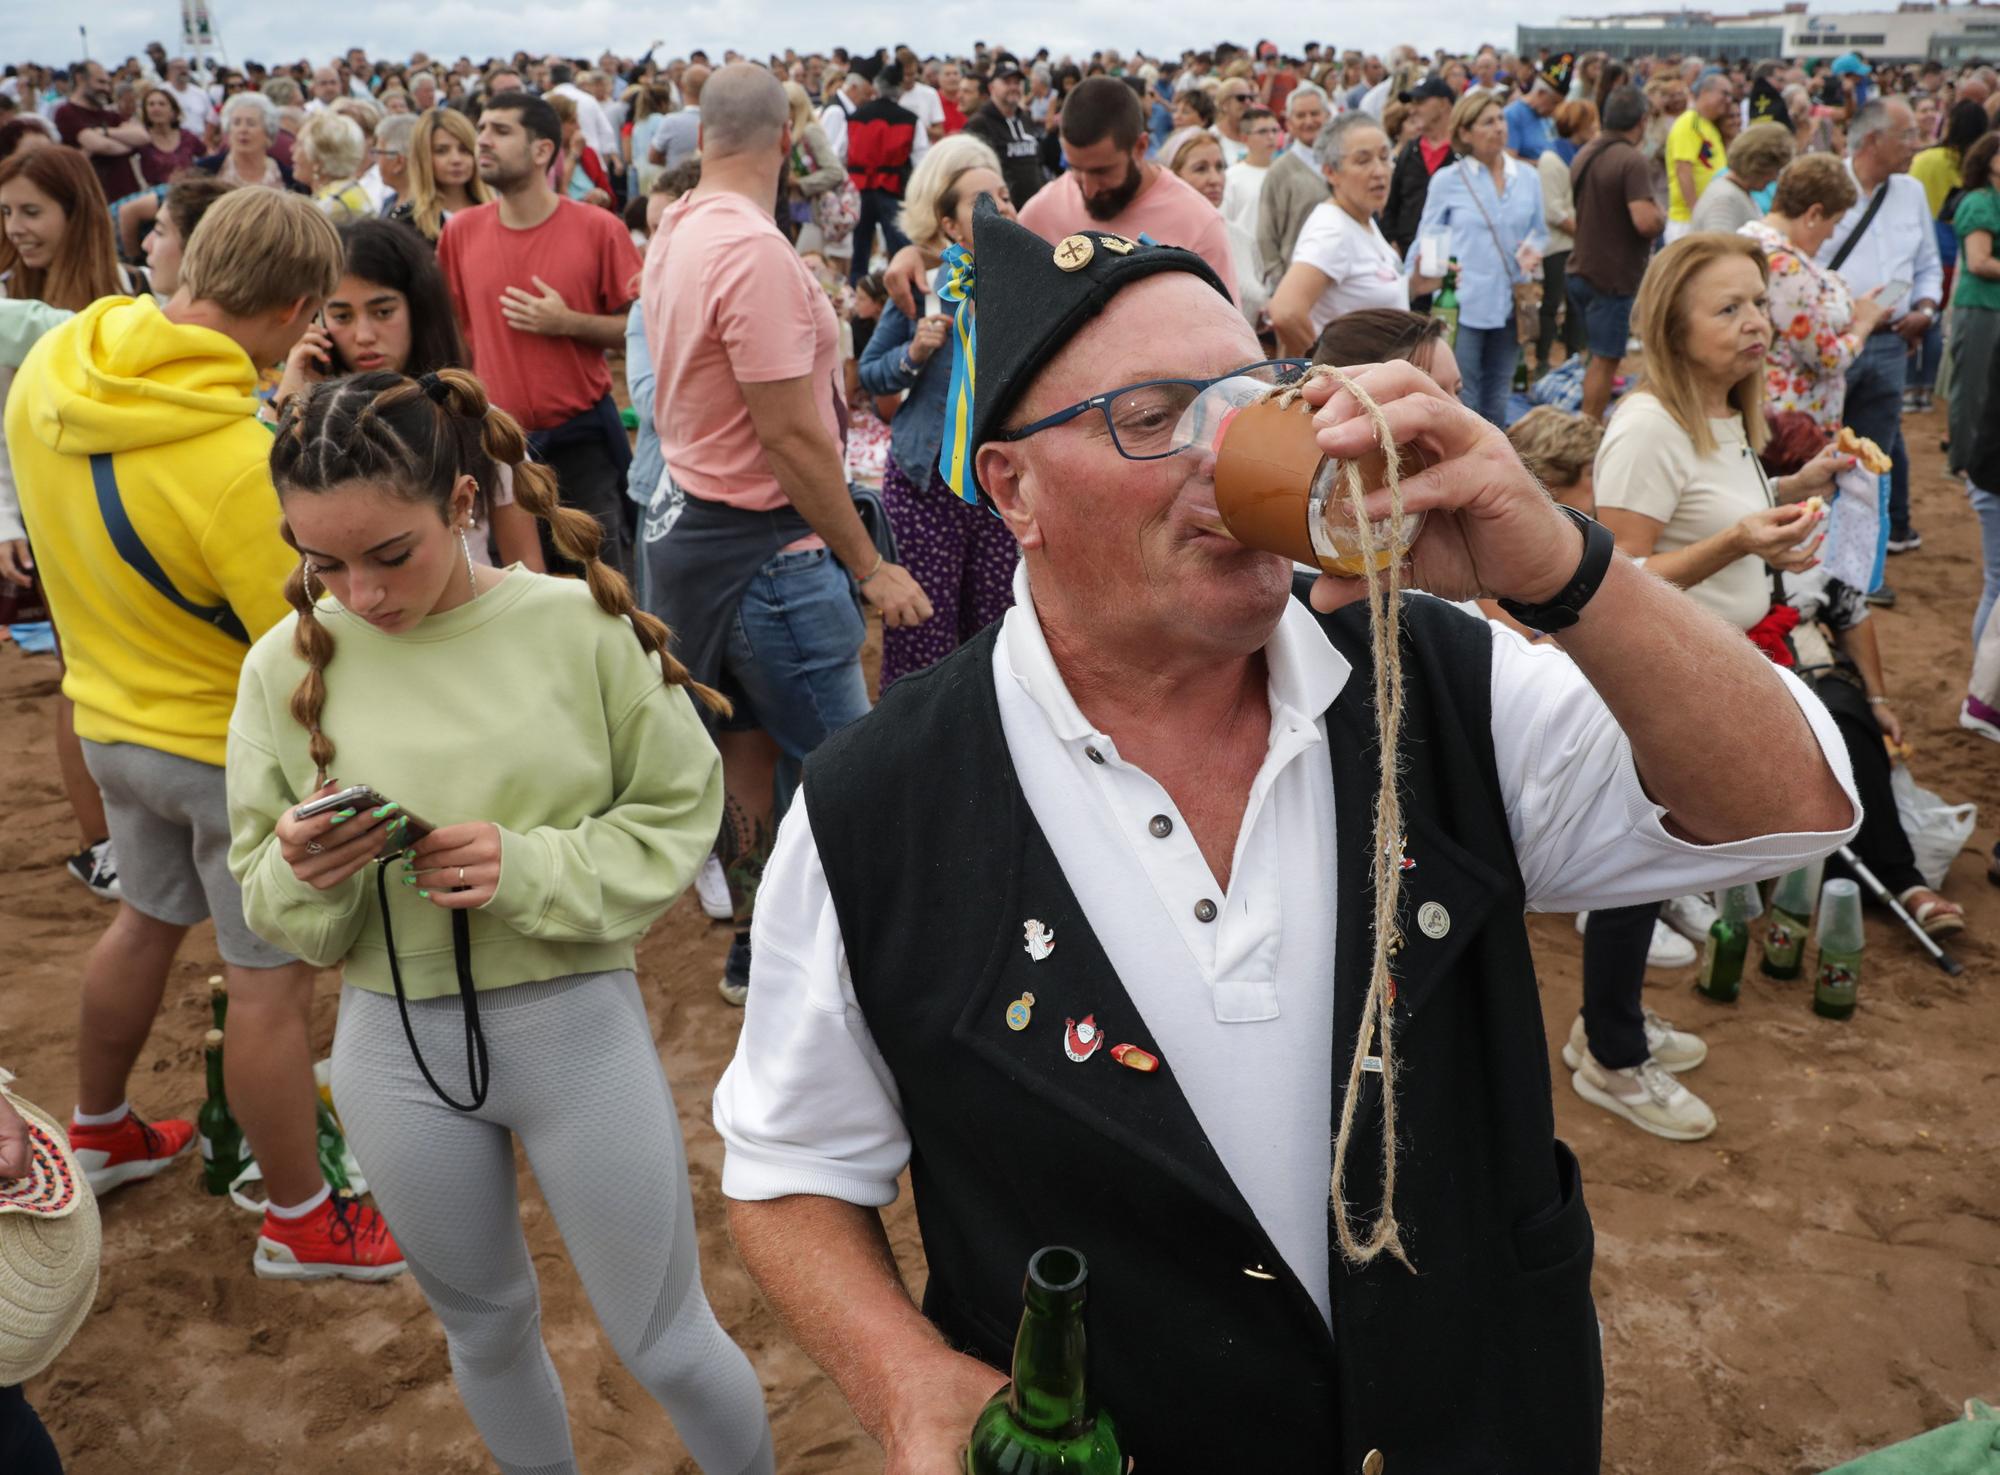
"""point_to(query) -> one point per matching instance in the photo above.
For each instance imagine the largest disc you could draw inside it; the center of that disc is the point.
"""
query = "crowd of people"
(351, 406)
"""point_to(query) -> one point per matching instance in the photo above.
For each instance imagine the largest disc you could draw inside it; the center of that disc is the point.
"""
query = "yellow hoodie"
(173, 406)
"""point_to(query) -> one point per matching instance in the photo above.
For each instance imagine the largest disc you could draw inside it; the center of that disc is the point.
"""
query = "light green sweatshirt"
(527, 707)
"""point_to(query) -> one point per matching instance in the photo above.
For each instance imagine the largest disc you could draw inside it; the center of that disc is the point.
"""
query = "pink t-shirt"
(1170, 210)
(727, 301)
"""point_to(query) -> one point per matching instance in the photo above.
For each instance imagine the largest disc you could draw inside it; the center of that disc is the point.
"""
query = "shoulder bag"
(1527, 290)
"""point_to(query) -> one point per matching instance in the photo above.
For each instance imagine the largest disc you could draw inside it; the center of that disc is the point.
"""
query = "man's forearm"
(1717, 740)
(599, 330)
(1685, 174)
(808, 468)
(827, 1270)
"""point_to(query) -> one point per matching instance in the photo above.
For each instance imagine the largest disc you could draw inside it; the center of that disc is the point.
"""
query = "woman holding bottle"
(1486, 205)
(508, 944)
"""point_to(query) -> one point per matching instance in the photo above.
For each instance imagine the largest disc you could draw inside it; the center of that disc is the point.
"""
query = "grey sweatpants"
(576, 1078)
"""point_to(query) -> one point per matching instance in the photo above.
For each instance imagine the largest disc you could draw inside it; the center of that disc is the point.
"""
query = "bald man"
(753, 548)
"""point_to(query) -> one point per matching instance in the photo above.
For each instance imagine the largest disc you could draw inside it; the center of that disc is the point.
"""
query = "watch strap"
(1566, 607)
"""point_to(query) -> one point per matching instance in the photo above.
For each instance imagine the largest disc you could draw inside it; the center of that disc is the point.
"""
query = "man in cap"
(1006, 127)
(1410, 185)
(1077, 924)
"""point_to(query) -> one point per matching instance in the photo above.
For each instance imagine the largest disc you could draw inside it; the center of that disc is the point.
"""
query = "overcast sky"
(269, 33)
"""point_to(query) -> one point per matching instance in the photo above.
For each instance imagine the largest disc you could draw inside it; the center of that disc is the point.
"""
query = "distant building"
(1916, 30)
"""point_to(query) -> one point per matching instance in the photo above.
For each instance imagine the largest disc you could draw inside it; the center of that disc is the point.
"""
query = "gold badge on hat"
(1073, 253)
(1117, 245)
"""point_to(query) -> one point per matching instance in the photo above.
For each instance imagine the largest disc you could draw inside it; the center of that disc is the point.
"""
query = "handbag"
(1527, 290)
(835, 211)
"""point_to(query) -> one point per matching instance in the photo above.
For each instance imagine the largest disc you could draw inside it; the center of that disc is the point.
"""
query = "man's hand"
(17, 564)
(900, 597)
(546, 314)
(905, 278)
(15, 1156)
(1489, 528)
(926, 1433)
(1912, 325)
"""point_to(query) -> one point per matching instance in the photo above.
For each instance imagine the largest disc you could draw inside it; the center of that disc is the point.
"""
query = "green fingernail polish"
(386, 808)
(341, 817)
(425, 895)
(409, 880)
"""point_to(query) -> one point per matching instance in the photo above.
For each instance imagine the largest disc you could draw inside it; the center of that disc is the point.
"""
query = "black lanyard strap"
(478, 1072)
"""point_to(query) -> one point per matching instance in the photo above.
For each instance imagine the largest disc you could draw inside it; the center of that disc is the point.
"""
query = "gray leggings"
(576, 1078)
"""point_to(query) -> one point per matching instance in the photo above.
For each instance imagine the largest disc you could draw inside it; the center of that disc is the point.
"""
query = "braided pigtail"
(575, 533)
(313, 645)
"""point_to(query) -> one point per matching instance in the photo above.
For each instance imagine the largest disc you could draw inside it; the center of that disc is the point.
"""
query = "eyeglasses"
(1145, 419)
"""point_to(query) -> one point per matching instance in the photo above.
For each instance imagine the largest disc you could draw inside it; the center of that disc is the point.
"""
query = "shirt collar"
(1305, 672)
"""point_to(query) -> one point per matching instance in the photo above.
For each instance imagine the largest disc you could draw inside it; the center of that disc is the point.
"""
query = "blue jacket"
(917, 433)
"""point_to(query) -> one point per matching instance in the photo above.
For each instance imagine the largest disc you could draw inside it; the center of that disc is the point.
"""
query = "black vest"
(1203, 1344)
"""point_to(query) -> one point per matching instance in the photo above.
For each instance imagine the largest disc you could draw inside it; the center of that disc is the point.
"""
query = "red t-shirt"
(954, 120)
(1435, 154)
(581, 251)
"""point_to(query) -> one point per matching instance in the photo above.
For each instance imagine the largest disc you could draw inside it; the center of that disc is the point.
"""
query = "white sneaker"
(1668, 948)
(1675, 1050)
(1647, 1097)
(1691, 916)
(711, 889)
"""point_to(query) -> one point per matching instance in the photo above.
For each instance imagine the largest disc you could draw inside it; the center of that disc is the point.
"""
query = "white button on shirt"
(1241, 1006)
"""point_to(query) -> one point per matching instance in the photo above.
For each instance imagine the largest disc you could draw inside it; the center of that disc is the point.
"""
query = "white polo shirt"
(809, 1106)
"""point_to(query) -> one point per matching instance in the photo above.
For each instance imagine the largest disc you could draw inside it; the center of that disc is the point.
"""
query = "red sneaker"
(128, 1150)
(342, 1237)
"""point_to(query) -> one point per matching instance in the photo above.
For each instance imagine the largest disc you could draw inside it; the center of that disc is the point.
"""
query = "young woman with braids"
(555, 849)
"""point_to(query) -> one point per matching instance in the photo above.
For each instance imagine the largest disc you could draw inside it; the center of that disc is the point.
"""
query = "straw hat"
(49, 1243)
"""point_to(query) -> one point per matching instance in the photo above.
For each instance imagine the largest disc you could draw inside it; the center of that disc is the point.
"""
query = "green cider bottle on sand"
(1044, 1421)
(1444, 306)
(1728, 944)
(218, 1003)
(223, 1153)
(1790, 925)
(1837, 974)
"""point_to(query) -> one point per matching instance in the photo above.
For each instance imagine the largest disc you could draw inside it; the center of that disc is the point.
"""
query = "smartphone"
(362, 796)
(1891, 293)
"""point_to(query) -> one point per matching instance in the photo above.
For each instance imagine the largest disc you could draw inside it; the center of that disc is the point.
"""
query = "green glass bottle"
(332, 1148)
(1444, 306)
(218, 1002)
(1790, 925)
(1837, 975)
(1728, 945)
(1044, 1422)
(223, 1155)
(1520, 376)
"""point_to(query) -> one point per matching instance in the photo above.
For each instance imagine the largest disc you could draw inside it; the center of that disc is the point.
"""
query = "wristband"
(1878, 701)
(1566, 608)
(860, 582)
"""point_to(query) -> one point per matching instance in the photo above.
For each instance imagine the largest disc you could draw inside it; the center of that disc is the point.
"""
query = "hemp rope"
(1377, 1009)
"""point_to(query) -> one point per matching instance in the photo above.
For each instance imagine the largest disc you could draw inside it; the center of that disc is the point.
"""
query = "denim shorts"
(1607, 320)
(792, 662)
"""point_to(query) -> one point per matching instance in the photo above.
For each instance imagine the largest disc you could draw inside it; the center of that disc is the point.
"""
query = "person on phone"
(552, 856)
(961, 556)
(392, 311)
(156, 400)
(1818, 326)
(756, 567)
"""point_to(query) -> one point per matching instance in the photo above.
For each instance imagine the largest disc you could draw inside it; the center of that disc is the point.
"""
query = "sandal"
(1937, 917)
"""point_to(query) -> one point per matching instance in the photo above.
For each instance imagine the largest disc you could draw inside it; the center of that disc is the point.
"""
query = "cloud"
(120, 28)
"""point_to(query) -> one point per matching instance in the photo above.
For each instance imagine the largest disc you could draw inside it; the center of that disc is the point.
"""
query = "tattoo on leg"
(743, 847)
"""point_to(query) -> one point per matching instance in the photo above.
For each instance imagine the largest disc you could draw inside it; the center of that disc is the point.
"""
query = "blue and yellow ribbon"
(955, 455)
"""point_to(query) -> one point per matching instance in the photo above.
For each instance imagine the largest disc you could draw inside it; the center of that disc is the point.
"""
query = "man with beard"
(542, 285)
(1111, 188)
(89, 122)
(1006, 126)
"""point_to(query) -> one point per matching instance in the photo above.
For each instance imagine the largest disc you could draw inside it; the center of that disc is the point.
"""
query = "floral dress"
(1812, 346)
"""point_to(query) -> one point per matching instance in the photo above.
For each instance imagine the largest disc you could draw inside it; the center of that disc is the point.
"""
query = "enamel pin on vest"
(1082, 1038)
(1040, 941)
(1020, 1012)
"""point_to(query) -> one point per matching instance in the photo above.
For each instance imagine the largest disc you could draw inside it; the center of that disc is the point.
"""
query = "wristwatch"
(1566, 608)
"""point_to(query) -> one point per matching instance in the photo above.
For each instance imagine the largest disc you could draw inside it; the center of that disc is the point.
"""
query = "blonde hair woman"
(813, 167)
(444, 174)
(327, 160)
(962, 556)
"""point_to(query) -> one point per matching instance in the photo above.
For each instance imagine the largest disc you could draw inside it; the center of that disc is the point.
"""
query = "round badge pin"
(1020, 1012)
(1433, 920)
(1073, 253)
